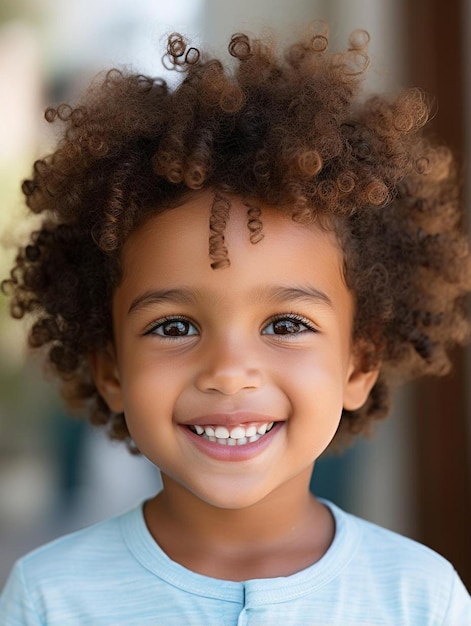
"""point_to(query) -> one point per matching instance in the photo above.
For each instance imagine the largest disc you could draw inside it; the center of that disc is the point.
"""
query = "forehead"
(171, 250)
(189, 224)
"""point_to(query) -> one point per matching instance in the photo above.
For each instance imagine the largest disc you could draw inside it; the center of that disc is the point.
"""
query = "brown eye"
(176, 329)
(288, 325)
(173, 328)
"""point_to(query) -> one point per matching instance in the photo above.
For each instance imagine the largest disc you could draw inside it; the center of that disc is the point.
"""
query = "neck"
(283, 533)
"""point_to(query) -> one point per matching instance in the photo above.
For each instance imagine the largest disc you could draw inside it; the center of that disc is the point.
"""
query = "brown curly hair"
(291, 130)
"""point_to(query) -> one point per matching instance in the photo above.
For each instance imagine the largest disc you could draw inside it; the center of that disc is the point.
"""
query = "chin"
(232, 501)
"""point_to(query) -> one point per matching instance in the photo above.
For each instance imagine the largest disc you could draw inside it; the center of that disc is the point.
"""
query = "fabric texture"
(114, 573)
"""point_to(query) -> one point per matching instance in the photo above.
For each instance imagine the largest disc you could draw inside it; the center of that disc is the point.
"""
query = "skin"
(234, 361)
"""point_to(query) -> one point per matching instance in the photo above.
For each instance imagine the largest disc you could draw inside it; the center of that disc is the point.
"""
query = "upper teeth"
(237, 435)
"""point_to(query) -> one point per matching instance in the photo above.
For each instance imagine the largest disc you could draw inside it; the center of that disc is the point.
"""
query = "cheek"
(149, 394)
(148, 372)
(318, 375)
(315, 387)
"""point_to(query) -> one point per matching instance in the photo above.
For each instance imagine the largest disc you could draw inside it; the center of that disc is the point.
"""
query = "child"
(230, 275)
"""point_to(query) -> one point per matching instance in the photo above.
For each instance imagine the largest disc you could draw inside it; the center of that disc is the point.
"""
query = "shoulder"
(394, 550)
(399, 572)
(89, 543)
(378, 543)
(85, 551)
(44, 585)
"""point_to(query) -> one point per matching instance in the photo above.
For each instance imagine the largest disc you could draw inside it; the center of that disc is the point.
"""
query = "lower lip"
(222, 452)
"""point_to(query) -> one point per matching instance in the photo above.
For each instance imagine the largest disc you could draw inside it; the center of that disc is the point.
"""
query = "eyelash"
(167, 320)
(293, 317)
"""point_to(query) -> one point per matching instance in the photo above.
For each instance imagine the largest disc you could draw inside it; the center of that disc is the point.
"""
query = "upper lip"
(230, 419)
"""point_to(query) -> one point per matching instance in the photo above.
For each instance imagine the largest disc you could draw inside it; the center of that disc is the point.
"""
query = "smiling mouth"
(235, 436)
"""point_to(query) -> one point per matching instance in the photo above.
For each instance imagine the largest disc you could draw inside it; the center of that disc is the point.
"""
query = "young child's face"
(266, 340)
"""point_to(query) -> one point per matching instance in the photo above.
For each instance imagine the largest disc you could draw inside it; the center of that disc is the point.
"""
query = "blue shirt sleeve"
(15, 606)
(459, 608)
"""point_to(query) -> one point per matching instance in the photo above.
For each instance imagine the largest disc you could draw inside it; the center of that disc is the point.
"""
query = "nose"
(228, 368)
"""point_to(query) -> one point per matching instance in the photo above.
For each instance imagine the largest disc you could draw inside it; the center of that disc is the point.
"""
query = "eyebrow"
(179, 296)
(189, 296)
(305, 292)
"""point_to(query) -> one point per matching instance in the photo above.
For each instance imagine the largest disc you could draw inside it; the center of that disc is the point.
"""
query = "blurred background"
(56, 473)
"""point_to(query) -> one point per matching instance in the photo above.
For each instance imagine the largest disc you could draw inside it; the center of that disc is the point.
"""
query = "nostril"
(229, 382)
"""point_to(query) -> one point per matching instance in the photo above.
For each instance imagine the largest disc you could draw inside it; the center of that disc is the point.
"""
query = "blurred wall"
(438, 36)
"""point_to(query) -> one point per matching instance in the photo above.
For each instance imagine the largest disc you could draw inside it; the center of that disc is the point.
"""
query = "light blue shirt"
(115, 574)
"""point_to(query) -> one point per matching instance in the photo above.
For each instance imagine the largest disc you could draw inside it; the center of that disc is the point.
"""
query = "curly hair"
(292, 130)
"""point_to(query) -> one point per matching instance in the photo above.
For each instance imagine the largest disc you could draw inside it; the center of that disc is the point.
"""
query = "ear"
(106, 376)
(358, 387)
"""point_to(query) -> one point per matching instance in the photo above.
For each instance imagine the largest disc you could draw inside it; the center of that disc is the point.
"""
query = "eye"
(291, 324)
(172, 327)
